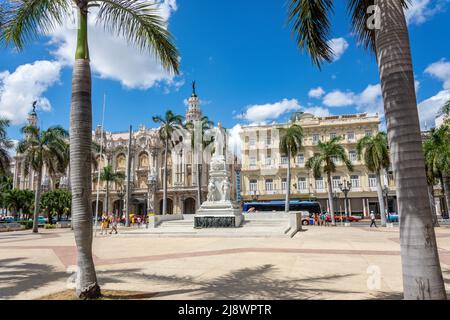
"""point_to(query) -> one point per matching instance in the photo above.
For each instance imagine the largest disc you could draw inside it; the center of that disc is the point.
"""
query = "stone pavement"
(319, 263)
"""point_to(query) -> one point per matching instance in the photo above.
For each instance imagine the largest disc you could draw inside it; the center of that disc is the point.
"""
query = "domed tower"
(32, 117)
(194, 112)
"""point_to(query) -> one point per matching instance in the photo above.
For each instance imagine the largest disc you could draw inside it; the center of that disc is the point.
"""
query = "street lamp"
(386, 195)
(345, 188)
(121, 195)
(335, 200)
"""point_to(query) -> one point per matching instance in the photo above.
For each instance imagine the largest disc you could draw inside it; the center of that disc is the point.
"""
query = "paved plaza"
(318, 263)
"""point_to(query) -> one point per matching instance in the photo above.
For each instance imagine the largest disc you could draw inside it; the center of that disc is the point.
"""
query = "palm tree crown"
(168, 124)
(374, 151)
(109, 175)
(5, 145)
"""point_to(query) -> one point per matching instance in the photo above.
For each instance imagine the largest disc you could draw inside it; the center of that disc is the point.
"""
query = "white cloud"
(338, 98)
(271, 111)
(429, 108)
(26, 84)
(112, 57)
(338, 46)
(234, 140)
(440, 70)
(316, 93)
(318, 111)
(419, 11)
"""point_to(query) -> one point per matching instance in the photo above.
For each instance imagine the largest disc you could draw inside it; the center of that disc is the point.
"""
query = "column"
(364, 207)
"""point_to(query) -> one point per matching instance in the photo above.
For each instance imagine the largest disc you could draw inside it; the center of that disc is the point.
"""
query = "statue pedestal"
(218, 211)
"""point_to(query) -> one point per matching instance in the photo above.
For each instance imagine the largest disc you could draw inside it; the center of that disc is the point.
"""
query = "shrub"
(49, 226)
(27, 223)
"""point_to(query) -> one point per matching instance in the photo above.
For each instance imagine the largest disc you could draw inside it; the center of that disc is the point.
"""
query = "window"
(336, 181)
(335, 159)
(301, 159)
(284, 160)
(372, 181)
(252, 142)
(350, 136)
(354, 179)
(301, 183)
(269, 184)
(253, 161)
(332, 135)
(352, 156)
(283, 184)
(269, 138)
(268, 161)
(316, 138)
(368, 133)
(253, 185)
(319, 183)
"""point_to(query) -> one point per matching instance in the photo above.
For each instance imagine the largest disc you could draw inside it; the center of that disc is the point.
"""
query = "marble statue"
(219, 141)
(226, 189)
(211, 191)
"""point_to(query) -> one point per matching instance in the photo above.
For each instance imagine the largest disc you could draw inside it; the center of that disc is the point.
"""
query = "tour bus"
(312, 207)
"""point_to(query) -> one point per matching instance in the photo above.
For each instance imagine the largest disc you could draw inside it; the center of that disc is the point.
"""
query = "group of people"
(321, 220)
(109, 221)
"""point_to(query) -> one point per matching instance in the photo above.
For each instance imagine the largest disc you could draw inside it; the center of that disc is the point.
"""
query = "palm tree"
(108, 175)
(290, 144)
(5, 145)
(325, 161)
(168, 125)
(437, 158)
(375, 153)
(387, 37)
(6, 185)
(41, 148)
(198, 130)
(140, 23)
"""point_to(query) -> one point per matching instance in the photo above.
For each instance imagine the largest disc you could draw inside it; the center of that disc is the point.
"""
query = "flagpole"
(98, 169)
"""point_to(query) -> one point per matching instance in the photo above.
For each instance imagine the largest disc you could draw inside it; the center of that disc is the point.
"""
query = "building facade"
(264, 168)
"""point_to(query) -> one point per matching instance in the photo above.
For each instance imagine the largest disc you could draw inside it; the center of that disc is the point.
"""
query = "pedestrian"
(104, 224)
(139, 221)
(114, 225)
(316, 219)
(372, 218)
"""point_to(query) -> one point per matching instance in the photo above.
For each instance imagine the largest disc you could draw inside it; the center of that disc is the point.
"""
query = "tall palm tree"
(198, 131)
(290, 145)
(141, 24)
(374, 151)
(5, 145)
(168, 125)
(108, 175)
(437, 158)
(43, 148)
(387, 37)
(324, 161)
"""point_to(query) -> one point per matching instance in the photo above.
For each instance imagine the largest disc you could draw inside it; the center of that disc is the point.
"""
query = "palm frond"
(25, 20)
(141, 24)
(310, 23)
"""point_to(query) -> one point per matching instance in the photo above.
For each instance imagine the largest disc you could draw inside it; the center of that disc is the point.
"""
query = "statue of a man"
(219, 141)
(226, 189)
(211, 191)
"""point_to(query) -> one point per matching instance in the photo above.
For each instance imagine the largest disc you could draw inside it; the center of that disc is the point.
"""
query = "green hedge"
(27, 223)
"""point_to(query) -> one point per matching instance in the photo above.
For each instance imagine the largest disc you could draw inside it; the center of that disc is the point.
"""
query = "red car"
(339, 217)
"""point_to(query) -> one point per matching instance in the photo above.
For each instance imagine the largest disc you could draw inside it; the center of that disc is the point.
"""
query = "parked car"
(339, 218)
(8, 219)
(41, 220)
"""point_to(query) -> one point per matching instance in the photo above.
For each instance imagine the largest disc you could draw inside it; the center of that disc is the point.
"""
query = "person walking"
(372, 218)
(104, 225)
(114, 222)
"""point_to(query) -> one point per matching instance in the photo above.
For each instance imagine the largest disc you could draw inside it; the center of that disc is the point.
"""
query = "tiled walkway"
(319, 263)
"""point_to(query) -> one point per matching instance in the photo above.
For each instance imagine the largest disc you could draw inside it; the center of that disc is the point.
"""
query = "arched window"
(143, 160)
(121, 162)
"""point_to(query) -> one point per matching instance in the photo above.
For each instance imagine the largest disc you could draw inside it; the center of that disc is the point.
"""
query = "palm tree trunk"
(432, 205)
(381, 199)
(107, 198)
(166, 150)
(37, 198)
(128, 186)
(446, 189)
(80, 163)
(288, 184)
(330, 198)
(422, 275)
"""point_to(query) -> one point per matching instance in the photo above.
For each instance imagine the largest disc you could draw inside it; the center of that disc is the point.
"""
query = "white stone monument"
(218, 211)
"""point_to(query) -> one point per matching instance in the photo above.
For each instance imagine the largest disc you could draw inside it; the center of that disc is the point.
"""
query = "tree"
(6, 184)
(139, 23)
(374, 151)
(17, 200)
(56, 202)
(168, 125)
(325, 161)
(383, 31)
(198, 131)
(41, 148)
(108, 175)
(446, 109)
(437, 159)
(290, 145)
(5, 145)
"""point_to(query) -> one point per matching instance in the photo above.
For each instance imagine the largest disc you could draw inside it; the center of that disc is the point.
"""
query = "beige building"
(263, 175)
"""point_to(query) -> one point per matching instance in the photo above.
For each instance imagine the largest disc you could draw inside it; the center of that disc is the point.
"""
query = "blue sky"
(243, 58)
